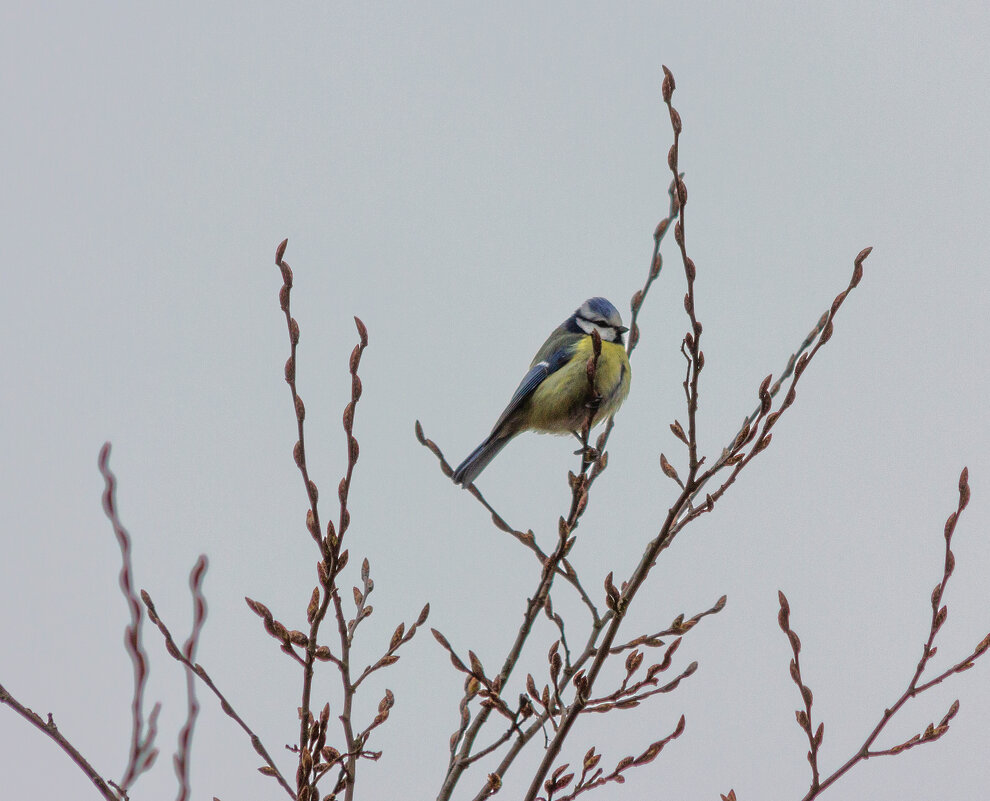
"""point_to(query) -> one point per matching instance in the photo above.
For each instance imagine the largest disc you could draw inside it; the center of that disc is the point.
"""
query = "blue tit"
(553, 396)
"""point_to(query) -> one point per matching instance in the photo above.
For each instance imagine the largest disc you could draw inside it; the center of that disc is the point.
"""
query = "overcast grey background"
(462, 177)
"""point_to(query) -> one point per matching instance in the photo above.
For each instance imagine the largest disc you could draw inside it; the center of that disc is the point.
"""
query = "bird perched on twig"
(553, 396)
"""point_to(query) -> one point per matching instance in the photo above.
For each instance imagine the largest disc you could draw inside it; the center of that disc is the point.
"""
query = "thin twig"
(312, 493)
(656, 265)
(678, 627)
(270, 768)
(183, 753)
(933, 731)
(354, 744)
(51, 730)
(142, 752)
(315, 758)
(527, 538)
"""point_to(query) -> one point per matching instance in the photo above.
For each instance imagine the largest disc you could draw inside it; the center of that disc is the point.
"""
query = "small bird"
(553, 396)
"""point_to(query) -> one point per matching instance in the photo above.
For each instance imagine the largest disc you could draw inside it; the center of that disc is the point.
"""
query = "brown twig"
(269, 768)
(628, 696)
(354, 744)
(732, 456)
(183, 753)
(290, 639)
(142, 751)
(656, 265)
(527, 538)
(399, 637)
(312, 513)
(678, 627)
(933, 731)
(593, 777)
(315, 757)
(51, 730)
(576, 675)
(333, 558)
(803, 716)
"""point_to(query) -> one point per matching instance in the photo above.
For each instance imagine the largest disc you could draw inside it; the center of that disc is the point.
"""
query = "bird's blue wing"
(537, 375)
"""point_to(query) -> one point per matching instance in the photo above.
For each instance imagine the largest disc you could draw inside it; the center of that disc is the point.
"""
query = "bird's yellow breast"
(559, 404)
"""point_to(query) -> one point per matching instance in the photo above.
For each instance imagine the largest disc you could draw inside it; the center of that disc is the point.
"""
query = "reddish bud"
(362, 331)
(963, 488)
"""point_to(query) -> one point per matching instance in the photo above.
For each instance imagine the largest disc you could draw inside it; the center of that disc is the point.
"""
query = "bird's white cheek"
(607, 334)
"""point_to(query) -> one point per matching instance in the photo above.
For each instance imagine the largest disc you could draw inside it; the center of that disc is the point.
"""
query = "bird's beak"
(622, 329)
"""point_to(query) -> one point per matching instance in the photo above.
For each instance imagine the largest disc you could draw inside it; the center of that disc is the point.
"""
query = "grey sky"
(462, 177)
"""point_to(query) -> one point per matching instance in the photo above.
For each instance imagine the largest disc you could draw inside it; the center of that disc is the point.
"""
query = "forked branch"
(932, 731)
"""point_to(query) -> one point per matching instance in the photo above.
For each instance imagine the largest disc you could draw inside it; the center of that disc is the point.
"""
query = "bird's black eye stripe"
(601, 322)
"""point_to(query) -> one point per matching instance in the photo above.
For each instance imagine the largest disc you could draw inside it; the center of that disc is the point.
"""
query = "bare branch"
(51, 730)
(183, 753)
(269, 769)
(142, 751)
(931, 732)
(527, 538)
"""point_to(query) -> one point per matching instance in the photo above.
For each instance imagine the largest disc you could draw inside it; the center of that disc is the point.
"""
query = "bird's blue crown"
(599, 306)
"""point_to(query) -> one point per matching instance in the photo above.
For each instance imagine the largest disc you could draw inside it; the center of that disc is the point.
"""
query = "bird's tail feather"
(479, 458)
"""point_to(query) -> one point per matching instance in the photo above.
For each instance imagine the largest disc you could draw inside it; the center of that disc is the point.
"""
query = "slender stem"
(184, 753)
(913, 688)
(51, 730)
(271, 768)
(142, 750)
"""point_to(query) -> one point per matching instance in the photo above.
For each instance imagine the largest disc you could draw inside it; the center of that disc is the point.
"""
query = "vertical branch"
(312, 493)
(636, 304)
(353, 743)
(332, 562)
(656, 265)
(803, 716)
(182, 755)
(692, 340)
(142, 752)
(269, 768)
